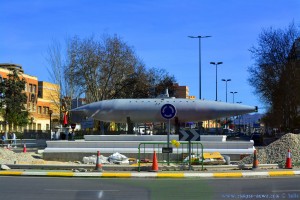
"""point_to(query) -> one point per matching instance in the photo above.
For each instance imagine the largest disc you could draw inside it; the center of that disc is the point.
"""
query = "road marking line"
(297, 172)
(144, 175)
(121, 175)
(227, 175)
(199, 175)
(249, 174)
(11, 173)
(90, 174)
(60, 174)
(34, 173)
(68, 190)
(170, 175)
(285, 190)
(281, 173)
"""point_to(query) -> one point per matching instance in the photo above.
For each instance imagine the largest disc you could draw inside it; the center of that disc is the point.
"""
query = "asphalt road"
(50, 188)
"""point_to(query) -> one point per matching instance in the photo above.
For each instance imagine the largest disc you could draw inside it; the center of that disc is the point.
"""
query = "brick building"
(41, 97)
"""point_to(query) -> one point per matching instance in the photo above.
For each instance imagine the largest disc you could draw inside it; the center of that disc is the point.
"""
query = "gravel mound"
(9, 157)
(276, 152)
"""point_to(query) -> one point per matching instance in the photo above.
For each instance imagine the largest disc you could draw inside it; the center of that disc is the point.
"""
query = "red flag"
(65, 118)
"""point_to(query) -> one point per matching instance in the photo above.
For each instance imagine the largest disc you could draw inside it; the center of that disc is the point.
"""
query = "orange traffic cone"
(288, 163)
(98, 163)
(154, 163)
(24, 149)
(255, 161)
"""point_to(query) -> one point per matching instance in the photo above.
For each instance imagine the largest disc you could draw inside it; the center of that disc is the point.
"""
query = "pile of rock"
(7, 156)
(276, 152)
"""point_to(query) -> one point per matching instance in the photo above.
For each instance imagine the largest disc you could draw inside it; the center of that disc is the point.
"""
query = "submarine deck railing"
(179, 154)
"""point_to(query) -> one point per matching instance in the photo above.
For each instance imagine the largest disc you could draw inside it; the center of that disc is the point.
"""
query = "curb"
(153, 174)
(131, 167)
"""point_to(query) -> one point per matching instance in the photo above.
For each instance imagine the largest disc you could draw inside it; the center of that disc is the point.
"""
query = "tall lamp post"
(226, 80)
(50, 113)
(240, 116)
(216, 64)
(233, 96)
(199, 37)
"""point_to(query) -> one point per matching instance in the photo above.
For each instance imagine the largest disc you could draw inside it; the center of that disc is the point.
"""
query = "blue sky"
(158, 31)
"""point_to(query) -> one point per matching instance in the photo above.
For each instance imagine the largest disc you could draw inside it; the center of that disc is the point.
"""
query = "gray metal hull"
(149, 110)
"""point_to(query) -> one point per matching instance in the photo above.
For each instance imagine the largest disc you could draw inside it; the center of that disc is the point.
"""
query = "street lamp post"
(199, 37)
(233, 96)
(216, 64)
(239, 116)
(226, 80)
(50, 113)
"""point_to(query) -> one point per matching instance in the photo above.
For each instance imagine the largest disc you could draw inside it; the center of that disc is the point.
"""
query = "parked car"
(227, 131)
(257, 138)
(141, 130)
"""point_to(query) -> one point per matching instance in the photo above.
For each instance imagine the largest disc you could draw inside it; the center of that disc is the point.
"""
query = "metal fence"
(178, 155)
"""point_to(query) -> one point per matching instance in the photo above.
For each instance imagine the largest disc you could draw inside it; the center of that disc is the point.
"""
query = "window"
(39, 110)
(32, 97)
(40, 94)
(39, 127)
(46, 110)
(34, 88)
(33, 107)
(34, 126)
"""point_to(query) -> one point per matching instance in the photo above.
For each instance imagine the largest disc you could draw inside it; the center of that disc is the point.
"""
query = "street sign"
(167, 150)
(168, 111)
(189, 135)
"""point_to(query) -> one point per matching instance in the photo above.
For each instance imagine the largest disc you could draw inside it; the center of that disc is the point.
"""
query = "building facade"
(183, 92)
(38, 103)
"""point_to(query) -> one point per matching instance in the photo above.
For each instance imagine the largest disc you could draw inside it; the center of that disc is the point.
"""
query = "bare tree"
(273, 74)
(61, 74)
(101, 67)
(161, 80)
(55, 70)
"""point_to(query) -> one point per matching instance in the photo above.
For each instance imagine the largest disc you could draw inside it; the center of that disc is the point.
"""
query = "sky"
(157, 30)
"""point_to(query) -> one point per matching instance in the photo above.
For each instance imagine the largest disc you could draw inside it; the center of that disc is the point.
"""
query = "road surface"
(57, 188)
